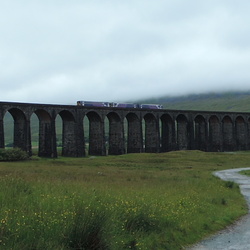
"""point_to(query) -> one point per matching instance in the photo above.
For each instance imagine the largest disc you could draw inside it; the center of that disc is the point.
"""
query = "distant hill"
(227, 101)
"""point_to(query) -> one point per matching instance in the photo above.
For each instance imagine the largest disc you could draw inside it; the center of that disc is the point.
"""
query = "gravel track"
(236, 236)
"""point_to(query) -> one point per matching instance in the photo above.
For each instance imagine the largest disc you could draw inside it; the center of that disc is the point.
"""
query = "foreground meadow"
(134, 201)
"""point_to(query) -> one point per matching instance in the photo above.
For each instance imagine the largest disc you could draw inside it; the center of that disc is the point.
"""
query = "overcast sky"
(63, 51)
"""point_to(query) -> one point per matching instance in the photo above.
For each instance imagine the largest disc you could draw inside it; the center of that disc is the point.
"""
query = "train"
(119, 105)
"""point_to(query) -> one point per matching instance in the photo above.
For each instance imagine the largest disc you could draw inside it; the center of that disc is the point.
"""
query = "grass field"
(134, 201)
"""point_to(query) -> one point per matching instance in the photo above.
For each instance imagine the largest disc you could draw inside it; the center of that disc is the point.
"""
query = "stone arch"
(47, 135)
(228, 133)
(22, 137)
(182, 133)
(167, 133)
(116, 134)
(96, 134)
(152, 135)
(134, 141)
(240, 133)
(43, 115)
(214, 134)
(69, 136)
(200, 134)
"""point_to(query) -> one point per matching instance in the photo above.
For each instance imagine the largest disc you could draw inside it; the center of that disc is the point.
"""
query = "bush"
(87, 229)
(14, 154)
(229, 184)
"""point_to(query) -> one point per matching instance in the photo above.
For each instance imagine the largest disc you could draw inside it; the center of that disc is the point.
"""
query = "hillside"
(228, 101)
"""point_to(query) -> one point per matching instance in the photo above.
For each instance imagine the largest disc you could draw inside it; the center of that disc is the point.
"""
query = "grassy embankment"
(135, 201)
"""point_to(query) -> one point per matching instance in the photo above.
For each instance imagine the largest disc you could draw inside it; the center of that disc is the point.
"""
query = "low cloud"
(61, 52)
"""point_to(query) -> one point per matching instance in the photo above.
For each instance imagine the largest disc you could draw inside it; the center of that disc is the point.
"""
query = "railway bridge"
(129, 130)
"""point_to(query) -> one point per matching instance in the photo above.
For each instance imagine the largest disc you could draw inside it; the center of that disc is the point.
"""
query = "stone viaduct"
(130, 130)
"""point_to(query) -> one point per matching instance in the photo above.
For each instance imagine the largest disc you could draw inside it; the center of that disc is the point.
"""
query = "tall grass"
(136, 201)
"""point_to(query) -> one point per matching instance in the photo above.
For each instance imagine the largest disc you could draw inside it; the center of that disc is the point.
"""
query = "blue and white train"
(119, 105)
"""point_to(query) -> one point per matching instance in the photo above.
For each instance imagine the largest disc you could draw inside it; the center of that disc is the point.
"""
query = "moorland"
(134, 201)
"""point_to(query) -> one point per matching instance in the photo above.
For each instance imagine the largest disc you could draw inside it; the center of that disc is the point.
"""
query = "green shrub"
(229, 184)
(141, 221)
(14, 154)
(87, 228)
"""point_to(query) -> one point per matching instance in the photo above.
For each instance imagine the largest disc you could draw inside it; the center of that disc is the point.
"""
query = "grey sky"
(64, 51)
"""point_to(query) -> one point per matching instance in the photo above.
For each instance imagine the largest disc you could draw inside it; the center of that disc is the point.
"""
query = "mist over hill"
(223, 101)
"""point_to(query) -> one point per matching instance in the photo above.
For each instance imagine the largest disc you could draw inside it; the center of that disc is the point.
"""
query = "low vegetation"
(245, 172)
(13, 154)
(134, 201)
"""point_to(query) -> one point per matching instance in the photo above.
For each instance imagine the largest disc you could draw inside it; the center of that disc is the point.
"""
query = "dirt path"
(237, 236)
